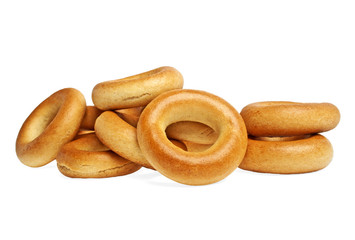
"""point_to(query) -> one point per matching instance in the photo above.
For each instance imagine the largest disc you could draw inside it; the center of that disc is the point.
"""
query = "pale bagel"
(137, 90)
(193, 168)
(53, 123)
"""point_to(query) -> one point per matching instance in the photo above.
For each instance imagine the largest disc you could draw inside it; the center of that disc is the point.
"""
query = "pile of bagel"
(190, 136)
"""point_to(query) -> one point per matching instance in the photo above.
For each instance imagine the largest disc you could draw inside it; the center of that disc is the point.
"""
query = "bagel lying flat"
(299, 154)
(87, 157)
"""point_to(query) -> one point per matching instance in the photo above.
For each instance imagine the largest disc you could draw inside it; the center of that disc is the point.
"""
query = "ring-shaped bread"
(287, 155)
(137, 90)
(52, 124)
(277, 118)
(87, 157)
(192, 168)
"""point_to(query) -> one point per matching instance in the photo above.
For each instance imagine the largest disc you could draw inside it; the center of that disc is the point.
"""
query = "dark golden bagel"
(193, 168)
(87, 157)
(90, 116)
(137, 90)
(289, 118)
(52, 124)
(120, 137)
(287, 155)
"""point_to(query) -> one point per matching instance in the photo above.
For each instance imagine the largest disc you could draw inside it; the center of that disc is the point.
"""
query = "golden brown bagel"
(288, 155)
(52, 124)
(193, 168)
(137, 90)
(90, 116)
(120, 137)
(87, 157)
(289, 118)
(192, 132)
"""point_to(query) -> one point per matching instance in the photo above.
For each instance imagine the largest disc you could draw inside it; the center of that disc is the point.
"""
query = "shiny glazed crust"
(87, 157)
(303, 155)
(137, 90)
(289, 118)
(120, 137)
(52, 124)
(193, 168)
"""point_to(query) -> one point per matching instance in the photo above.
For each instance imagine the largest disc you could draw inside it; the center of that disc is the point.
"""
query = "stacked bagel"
(284, 136)
(190, 136)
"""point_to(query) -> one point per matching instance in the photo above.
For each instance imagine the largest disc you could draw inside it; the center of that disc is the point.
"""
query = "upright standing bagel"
(193, 168)
(137, 90)
(53, 123)
(265, 119)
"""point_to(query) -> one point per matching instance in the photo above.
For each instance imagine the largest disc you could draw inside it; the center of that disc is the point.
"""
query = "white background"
(243, 51)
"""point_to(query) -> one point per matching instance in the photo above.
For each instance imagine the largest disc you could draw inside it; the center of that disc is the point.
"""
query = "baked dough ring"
(90, 116)
(120, 137)
(87, 157)
(289, 118)
(192, 132)
(52, 124)
(302, 155)
(193, 168)
(137, 90)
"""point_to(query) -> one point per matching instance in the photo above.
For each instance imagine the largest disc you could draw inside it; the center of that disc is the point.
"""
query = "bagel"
(287, 155)
(137, 90)
(265, 119)
(90, 116)
(120, 137)
(87, 157)
(52, 124)
(191, 132)
(192, 168)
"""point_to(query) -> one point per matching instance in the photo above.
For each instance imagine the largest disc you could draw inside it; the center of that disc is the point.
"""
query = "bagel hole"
(43, 121)
(196, 136)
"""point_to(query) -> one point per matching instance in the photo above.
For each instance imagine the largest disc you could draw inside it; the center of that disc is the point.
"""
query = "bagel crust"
(192, 168)
(87, 157)
(265, 119)
(137, 90)
(286, 156)
(52, 124)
